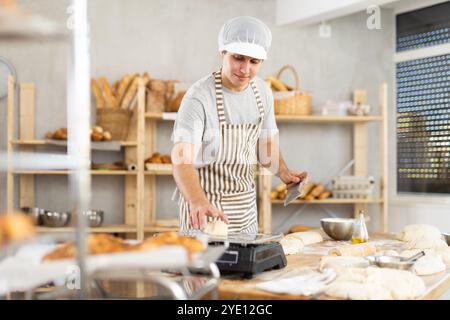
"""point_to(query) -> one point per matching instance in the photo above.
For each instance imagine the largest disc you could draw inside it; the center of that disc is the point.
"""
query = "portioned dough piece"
(429, 264)
(342, 262)
(307, 237)
(291, 245)
(396, 284)
(418, 231)
(357, 291)
(426, 243)
(390, 253)
(355, 250)
(217, 228)
(444, 253)
(400, 283)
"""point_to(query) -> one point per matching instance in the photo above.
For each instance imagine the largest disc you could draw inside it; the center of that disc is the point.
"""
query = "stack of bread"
(97, 134)
(158, 158)
(107, 244)
(122, 94)
(311, 191)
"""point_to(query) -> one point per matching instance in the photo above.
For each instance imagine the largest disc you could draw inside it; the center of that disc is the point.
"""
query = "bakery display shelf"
(158, 169)
(332, 201)
(328, 119)
(44, 143)
(102, 229)
(66, 172)
(290, 118)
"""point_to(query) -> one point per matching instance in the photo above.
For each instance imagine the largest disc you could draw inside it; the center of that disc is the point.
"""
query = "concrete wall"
(176, 39)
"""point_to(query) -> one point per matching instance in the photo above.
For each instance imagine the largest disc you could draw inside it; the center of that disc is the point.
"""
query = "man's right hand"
(199, 212)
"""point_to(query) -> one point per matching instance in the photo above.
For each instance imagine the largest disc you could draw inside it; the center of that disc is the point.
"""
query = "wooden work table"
(436, 284)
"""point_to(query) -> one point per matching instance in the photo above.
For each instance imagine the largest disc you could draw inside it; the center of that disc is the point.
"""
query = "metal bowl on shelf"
(338, 228)
(94, 218)
(447, 238)
(36, 214)
(55, 219)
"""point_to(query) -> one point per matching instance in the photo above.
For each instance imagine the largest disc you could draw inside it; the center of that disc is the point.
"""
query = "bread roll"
(299, 228)
(307, 189)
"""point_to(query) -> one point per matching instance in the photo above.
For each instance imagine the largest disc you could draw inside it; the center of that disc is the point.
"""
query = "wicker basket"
(292, 102)
(114, 120)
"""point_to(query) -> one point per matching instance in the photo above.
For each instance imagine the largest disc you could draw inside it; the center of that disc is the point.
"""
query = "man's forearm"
(269, 156)
(188, 182)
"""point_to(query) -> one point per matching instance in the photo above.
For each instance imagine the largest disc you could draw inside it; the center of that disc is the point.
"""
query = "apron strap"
(258, 101)
(219, 97)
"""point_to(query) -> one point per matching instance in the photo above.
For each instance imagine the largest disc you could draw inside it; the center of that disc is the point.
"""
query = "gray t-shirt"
(198, 123)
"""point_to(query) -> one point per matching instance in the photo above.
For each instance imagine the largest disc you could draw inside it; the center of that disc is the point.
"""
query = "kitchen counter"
(436, 284)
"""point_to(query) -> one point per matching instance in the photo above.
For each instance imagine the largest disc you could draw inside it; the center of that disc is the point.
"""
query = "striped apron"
(229, 182)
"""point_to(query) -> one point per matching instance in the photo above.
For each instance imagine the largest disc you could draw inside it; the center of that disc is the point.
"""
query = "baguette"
(123, 85)
(111, 102)
(277, 84)
(127, 99)
(317, 190)
(307, 189)
(324, 195)
(99, 100)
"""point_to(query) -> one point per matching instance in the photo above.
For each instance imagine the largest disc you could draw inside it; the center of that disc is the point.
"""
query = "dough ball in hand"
(216, 228)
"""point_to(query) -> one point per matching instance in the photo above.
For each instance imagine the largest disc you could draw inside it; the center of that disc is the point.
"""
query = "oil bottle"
(360, 233)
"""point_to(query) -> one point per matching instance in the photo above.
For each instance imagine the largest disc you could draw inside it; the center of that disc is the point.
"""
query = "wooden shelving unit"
(140, 186)
(134, 180)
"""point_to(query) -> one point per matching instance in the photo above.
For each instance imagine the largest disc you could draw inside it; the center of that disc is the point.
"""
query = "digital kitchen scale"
(249, 254)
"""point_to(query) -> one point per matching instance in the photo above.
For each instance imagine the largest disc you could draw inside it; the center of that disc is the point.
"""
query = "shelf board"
(156, 228)
(43, 143)
(294, 118)
(333, 201)
(103, 229)
(158, 169)
(66, 172)
(327, 119)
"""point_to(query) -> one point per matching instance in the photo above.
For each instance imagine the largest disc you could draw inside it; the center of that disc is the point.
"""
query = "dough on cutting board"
(217, 228)
(444, 253)
(414, 232)
(357, 291)
(307, 237)
(291, 245)
(431, 263)
(355, 250)
(342, 262)
(426, 243)
(376, 283)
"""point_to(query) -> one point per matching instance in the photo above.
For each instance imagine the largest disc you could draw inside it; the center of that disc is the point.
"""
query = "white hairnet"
(247, 36)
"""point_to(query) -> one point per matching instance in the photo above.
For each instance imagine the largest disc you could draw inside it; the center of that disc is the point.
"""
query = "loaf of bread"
(324, 195)
(109, 97)
(99, 100)
(123, 86)
(129, 95)
(317, 190)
